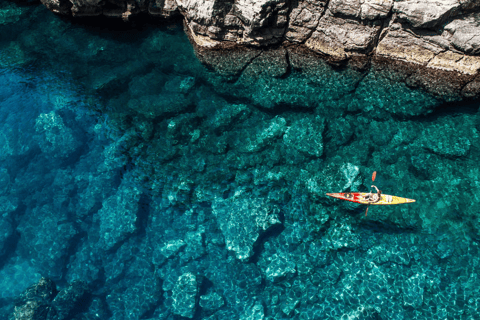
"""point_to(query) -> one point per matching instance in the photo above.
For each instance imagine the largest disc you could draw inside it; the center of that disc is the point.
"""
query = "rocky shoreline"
(438, 40)
(231, 61)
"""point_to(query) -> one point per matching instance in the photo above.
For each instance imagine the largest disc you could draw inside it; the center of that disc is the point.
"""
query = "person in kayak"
(373, 197)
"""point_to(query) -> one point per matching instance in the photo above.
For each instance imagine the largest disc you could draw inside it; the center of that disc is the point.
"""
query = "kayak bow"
(359, 197)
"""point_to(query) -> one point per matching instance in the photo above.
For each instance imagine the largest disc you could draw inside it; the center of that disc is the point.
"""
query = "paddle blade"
(374, 175)
(366, 211)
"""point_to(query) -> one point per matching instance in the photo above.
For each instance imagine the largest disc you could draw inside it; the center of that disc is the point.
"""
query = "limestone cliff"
(434, 35)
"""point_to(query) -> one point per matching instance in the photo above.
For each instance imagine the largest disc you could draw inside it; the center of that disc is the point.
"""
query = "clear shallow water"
(127, 164)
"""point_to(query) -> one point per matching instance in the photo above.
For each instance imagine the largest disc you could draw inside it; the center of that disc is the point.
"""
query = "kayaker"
(374, 197)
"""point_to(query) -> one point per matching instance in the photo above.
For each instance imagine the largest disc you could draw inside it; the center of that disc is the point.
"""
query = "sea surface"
(173, 190)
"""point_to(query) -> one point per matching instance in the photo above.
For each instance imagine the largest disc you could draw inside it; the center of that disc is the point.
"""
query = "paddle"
(374, 175)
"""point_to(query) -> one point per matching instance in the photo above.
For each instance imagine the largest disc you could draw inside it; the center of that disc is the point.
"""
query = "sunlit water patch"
(170, 189)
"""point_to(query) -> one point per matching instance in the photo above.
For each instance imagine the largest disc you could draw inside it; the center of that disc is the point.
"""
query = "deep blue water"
(127, 164)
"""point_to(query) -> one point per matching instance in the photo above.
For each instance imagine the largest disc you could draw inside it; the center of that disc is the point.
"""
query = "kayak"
(359, 197)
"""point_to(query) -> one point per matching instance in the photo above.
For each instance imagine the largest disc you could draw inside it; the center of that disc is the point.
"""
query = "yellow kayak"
(359, 197)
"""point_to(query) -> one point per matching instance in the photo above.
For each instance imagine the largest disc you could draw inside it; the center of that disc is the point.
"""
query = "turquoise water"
(173, 189)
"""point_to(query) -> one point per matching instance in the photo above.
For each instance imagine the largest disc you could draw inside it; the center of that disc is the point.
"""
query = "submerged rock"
(172, 247)
(305, 136)
(46, 237)
(280, 265)
(73, 296)
(55, 139)
(6, 231)
(118, 215)
(135, 288)
(255, 312)
(448, 140)
(185, 295)
(413, 290)
(45, 290)
(211, 302)
(42, 301)
(262, 136)
(9, 13)
(242, 219)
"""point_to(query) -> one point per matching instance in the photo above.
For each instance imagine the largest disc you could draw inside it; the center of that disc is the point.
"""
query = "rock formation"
(433, 35)
(42, 301)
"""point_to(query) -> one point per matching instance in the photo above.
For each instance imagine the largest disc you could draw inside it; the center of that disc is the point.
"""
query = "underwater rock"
(172, 247)
(346, 176)
(73, 296)
(9, 13)
(228, 61)
(54, 138)
(118, 215)
(86, 263)
(242, 219)
(341, 235)
(211, 302)
(447, 140)
(46, 237)
(279, 267)
(44, 290)
(7, 206)
(6, 231)
(255, 312)
(340, 131)
(294, 295)
(413, 290)
(134, 285)
(195, 245)
(96, 310)
(185, 295)
(262, 137)
(270, 63)
(180, 84)
(152, 106)
(226, 116)
(42, 301)
(34, 302)
(305, 136)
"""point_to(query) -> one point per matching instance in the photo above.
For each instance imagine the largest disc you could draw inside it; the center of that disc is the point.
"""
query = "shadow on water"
(272, 232)
(137, 28)
(25, 3)
(384, 227)
(449, 109)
